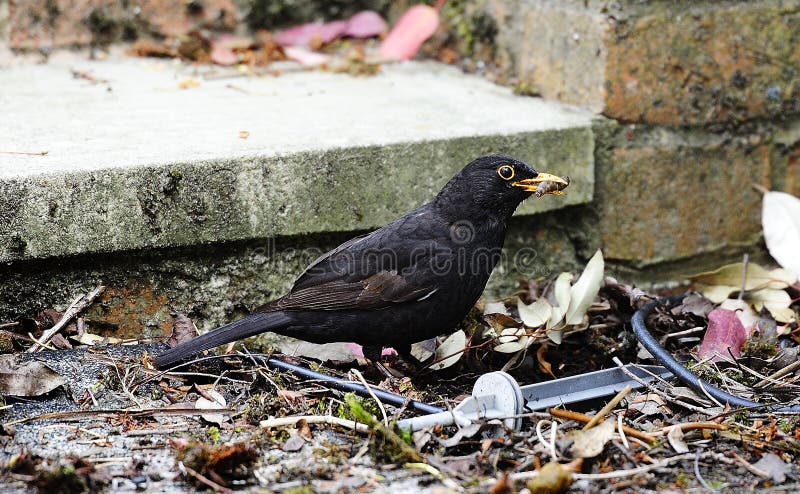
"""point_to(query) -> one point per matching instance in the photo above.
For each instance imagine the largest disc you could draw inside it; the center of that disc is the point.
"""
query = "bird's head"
(496, 184)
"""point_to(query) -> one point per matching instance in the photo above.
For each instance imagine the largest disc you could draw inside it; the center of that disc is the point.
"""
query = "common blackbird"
(413, 279)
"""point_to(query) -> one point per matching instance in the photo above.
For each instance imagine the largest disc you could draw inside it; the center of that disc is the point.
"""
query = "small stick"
(27, 153)
(610, 406)
(750, 467)
(611, 475)
(77, 306)
(745, 258)
(580, 417)
(313, 419)
(770, 379)
(133, 412)
(690, 426)
(372, 395)
(205, 480)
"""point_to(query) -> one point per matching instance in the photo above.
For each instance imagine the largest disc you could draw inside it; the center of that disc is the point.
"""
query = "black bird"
(413, 279)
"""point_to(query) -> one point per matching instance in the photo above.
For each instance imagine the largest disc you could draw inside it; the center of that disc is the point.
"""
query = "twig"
(750, 467)
(372, 395)
(610, 406)
(616, 473)
(203, 479)
(8, 325)
(580, 417)
(313, 419)
(552, 443)
(745, 259)
(697, 471)
(621, 431)
(27, 153)
(771, 379)
(77, 306)
(690, 426)
(134, 412)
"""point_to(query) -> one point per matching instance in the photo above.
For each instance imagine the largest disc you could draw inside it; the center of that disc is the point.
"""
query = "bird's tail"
(242, 328)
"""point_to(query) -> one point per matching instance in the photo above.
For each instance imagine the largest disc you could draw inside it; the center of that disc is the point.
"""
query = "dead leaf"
(183, 329)
(675, 438)
(544, 365)
(188, 83)
(294, 443)
(697, 305)
(423, 350)
(772, 464)
(452, 348)
(725, 332)
(216, 403)
(325, 352)
(584, 291)
(413, 28)
(553, 478)
(31, 378)
(243, 134)
(780, 219)
(535, 314)
(590, 443)
(743, 311)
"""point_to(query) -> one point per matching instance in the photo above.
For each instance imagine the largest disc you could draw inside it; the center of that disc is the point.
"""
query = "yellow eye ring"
(506, 172)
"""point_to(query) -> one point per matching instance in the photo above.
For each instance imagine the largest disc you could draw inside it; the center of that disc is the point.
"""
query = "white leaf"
(585, 289)
(218, 403)
(717, 293)
(777, 303)
(780, 218)
(555, 336)
(495, 308)
(562, 290)
(452, 348)
(535, 314)
(562, 293)
(512, 346)
(675, 438)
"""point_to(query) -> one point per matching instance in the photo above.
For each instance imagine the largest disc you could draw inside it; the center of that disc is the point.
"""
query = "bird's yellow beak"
(532, 184)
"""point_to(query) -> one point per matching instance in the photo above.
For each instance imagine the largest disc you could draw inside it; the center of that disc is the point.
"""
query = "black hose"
(343, 385)
(667, 360)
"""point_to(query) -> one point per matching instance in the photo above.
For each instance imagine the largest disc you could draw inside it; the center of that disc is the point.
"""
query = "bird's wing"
(363, 273)
(377, 291)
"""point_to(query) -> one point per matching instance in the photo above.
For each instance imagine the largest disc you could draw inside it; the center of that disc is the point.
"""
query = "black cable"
(667, 360)
(343, 385)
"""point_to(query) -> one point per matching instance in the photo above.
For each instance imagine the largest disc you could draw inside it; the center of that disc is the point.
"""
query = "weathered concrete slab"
(135, 161)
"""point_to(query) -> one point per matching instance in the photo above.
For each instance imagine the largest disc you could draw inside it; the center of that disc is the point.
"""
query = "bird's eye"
(506, 172)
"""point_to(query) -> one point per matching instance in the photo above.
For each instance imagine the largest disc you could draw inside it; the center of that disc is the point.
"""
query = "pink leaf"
(222, 55)
(305, 56)
(365, 24)
(305, 34)
(725, 331)
(412, 29)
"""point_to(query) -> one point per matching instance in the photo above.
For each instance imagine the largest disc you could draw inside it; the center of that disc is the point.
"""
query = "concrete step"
(135, 161)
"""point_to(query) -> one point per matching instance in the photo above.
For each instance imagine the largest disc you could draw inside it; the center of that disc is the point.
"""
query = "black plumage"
(413, 279)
